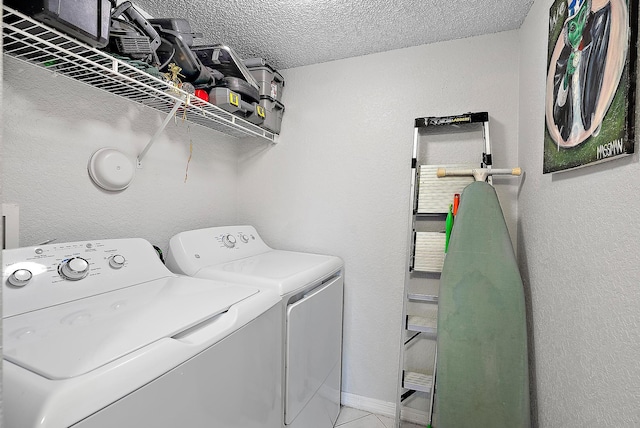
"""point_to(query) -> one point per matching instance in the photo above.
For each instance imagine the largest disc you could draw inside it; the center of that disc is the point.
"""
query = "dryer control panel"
(46, 275)
(229, 239)
(191, 250)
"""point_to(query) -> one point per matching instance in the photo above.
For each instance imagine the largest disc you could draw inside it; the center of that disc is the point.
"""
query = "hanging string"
(184, 119)
(186, 173)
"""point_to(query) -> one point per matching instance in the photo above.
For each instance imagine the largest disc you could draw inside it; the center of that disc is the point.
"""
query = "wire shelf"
(31, 41)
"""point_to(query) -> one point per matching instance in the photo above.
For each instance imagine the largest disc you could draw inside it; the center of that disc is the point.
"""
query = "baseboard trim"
(367, 404)
(383, 408)
(415, 416)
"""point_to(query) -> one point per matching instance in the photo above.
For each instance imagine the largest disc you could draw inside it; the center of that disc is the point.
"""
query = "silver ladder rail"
(425, 253)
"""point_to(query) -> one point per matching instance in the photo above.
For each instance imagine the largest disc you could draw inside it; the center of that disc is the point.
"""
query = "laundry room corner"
(578, 252)
(338, 180)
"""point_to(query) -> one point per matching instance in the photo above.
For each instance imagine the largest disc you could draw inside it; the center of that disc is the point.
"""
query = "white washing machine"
(100, 334)
(311, 287)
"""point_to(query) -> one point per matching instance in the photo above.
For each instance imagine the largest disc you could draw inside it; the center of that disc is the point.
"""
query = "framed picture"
(591, 82)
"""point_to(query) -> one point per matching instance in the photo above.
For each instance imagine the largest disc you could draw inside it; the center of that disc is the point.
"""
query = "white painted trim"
(415, 416)
(367, 404)
(383, 408)
(10, 226)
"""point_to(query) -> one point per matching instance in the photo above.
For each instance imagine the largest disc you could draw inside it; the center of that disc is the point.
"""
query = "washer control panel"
(74, 269)
(20, 277)
(46, 275)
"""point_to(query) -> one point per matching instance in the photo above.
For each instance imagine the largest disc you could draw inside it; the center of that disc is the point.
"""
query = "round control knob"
(229, 241)
(116, 261)
(244, 238)
(20, 278)
(74, 269)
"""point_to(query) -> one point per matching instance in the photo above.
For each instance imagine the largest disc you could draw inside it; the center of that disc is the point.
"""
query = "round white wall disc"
(111, 169)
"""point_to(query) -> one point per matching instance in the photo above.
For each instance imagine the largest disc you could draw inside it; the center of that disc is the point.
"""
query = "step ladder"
(431, 197)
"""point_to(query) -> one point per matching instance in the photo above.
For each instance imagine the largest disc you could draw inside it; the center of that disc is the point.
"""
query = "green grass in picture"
(613, 128)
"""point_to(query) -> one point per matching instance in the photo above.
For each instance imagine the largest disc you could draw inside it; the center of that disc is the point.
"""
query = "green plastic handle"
(449, 226)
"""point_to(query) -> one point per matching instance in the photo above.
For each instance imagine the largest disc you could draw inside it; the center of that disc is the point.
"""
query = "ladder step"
(418, 297)
(423, 324)
(417, 382)
(429, 251)
(435, 193)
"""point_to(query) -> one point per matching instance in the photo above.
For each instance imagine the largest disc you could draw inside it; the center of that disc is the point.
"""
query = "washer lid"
(74, 338)
(282, 271)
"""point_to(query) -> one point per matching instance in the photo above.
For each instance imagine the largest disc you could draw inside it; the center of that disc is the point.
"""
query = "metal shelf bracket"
(166, 121)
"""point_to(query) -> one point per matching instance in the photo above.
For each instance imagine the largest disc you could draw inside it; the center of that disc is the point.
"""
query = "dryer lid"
(77, 337)
(282, 271)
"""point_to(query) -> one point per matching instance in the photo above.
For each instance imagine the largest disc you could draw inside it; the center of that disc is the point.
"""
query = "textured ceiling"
(293, 33)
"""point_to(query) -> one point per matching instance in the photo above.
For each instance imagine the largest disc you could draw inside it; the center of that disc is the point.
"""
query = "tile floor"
(353, 418)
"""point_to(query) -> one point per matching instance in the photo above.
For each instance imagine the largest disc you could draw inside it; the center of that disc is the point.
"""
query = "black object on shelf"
(85, 20)
(132, 35)
(242, 87)
(175, 47)
(225, 60)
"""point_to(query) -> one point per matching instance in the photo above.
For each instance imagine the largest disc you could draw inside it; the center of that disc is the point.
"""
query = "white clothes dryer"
(311, 286)
(100, 334)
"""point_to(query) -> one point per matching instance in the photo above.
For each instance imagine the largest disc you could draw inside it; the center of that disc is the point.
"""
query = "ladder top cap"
(461, 119)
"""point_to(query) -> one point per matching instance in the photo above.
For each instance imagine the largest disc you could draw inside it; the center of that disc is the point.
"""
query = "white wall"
(579, 245)
(53, 125)
(338, 181)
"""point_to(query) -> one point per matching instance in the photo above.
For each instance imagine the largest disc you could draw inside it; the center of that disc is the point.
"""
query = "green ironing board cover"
(482, 370)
